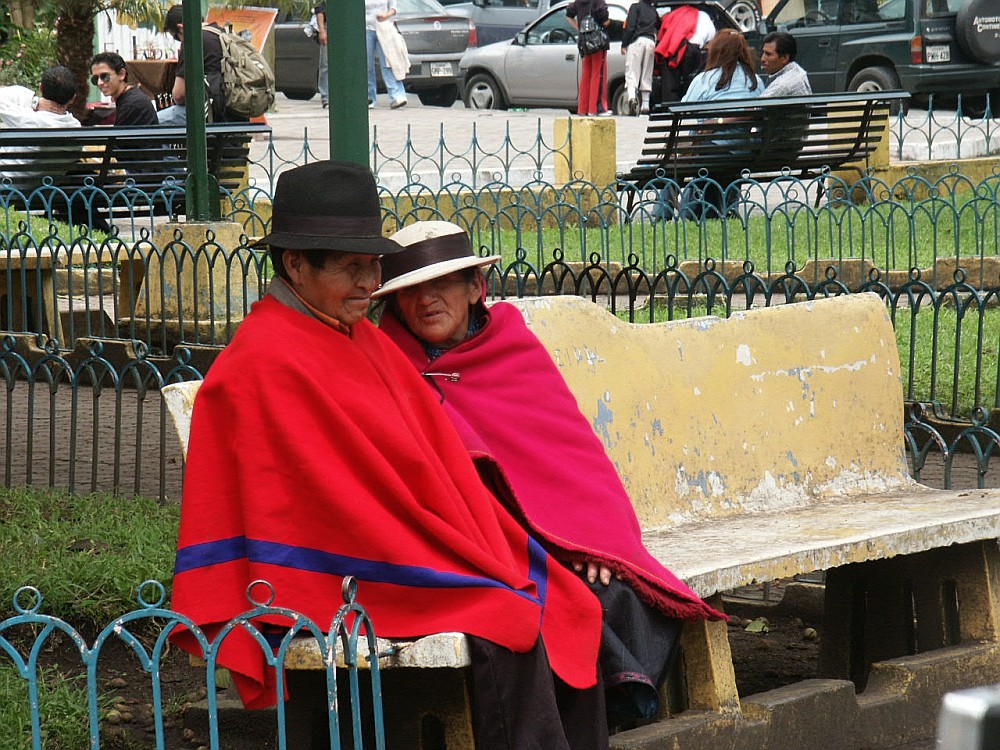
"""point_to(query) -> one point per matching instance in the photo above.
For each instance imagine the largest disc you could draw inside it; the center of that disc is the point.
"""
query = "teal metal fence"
(92, 418)
(27, 638)
(942, 130)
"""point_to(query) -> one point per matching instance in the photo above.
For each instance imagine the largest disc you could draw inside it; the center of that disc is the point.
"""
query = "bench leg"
(909, 604)
(708, 664)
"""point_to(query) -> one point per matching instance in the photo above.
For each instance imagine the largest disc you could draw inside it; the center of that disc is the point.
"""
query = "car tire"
(980, 42)
(746, 13)
(974, 105)
(483, 92)
(442, 96)
(300, 96)
(878, 78)
(618, 103)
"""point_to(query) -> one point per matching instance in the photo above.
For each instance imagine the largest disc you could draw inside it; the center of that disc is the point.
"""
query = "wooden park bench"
(763, 139)
(138, 168)
(756, 448)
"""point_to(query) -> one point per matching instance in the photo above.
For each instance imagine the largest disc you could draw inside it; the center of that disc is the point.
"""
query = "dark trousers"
(519, 704)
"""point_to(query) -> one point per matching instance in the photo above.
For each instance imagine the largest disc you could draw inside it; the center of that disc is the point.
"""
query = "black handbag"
(592, 38)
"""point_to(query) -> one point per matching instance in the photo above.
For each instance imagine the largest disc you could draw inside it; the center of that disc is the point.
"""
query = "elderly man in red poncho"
(318, 452)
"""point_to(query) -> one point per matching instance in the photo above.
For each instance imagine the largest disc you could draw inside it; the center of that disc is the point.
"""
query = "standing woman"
(375, 12)
(594, 67)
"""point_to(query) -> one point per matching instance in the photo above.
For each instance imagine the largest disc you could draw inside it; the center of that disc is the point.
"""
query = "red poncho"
(315, 455)
(510, 401)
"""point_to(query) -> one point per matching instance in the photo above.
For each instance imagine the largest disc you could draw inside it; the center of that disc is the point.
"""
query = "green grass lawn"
(86, 555)
(894, 235)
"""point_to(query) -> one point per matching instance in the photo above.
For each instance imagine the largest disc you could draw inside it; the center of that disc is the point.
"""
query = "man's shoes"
(606, 113)
(633, 106)
(326, 104)
(371, 104)
(398, 103)
(644, 111)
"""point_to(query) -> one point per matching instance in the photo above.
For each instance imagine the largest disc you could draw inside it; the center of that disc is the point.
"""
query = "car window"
(799, 13)
(942, 7)
(892, 10)
(553, 29)
(859, 11)
(420, 7)
(512, 4)
(617, 15)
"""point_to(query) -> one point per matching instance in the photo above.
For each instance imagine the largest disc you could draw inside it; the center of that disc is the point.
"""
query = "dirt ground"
(781, 652)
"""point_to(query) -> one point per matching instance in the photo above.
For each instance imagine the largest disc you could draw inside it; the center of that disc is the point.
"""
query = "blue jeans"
(175, 114)
(323, 82)
(394, 87)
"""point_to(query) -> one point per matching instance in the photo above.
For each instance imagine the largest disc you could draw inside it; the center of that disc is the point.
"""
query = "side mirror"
(521, 39)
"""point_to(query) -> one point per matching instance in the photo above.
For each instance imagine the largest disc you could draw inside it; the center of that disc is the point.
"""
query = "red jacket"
(676, 28)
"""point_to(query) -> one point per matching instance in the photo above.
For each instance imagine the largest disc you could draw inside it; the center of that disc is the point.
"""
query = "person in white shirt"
(377, 11)
(21, 108)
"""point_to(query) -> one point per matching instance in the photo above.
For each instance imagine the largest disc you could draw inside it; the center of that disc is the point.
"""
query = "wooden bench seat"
(763, 138)
(756, 448)
(138, 168)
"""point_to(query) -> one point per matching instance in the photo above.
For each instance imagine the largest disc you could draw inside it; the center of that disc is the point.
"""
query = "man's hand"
(594, 571)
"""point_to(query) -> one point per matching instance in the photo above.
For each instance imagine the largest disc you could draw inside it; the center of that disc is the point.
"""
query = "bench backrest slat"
(709, 417)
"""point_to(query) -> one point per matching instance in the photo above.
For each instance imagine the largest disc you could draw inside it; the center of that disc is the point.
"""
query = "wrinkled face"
(437, 311)
(770, 61)
(108, 81)
(342, 288)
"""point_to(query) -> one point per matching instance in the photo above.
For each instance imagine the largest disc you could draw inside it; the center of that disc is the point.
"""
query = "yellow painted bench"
(768, 445)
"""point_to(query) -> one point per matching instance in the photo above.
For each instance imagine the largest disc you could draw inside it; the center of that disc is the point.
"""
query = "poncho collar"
(282, 291)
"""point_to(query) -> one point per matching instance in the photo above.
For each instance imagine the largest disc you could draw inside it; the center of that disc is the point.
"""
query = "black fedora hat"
(328, 205)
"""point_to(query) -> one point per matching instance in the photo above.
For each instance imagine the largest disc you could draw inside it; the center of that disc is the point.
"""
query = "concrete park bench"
(754, 449)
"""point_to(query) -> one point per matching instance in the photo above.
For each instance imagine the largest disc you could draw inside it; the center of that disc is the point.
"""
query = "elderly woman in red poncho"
(515, 413)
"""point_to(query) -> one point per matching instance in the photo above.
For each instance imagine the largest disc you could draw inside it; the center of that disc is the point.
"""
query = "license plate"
(441, 69)
(938, 54)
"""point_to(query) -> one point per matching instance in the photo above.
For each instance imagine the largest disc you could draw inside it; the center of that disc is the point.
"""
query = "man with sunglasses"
(132, 107)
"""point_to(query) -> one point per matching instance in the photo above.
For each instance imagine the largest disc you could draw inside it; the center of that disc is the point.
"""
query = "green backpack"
(247, 79)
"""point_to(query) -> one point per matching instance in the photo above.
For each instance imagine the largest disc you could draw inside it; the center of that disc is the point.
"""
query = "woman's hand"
(594, 571)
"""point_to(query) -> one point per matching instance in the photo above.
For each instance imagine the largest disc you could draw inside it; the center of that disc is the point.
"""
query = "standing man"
(638, 42)
(173, 25)
(132, 107)
(376, 12)
(323, 81)
(785, 77)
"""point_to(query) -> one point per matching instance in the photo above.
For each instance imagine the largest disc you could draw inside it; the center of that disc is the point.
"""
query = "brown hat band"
(350, 226)
(427, 253)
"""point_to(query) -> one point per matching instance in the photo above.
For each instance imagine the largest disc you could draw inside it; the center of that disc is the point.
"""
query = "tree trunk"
(22, 13)
(74, 48)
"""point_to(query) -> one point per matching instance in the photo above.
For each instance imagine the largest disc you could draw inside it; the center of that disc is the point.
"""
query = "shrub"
(25, 56)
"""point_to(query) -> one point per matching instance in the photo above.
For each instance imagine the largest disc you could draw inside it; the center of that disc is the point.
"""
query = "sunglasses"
(103, 78)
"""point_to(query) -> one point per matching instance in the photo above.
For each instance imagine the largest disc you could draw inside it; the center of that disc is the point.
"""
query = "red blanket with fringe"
(510, 401)
(315, 455)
